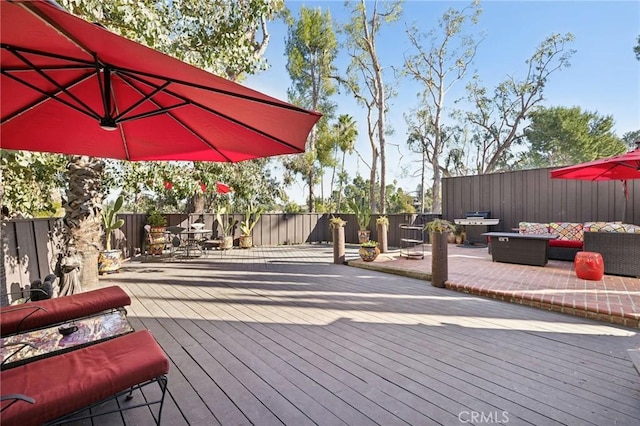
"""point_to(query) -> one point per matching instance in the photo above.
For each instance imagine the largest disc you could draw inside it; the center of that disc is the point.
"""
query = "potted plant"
(458, 233)
(110, 260)
(337, 232)
(363, 217)
(157, 226)
(251, 218)
(226, 228)
(382, 225)
(369, 251)
(439, 230)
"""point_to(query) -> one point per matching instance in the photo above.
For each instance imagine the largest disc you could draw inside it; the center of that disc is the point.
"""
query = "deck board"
(283, 336)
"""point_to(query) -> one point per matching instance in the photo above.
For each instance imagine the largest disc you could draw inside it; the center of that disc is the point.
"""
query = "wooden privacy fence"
(532, 196)
(31, 246)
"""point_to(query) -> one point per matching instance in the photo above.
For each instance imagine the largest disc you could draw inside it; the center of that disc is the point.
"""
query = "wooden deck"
(282, 336)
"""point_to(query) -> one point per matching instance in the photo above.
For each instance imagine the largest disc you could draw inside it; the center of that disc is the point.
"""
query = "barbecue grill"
(476, 224)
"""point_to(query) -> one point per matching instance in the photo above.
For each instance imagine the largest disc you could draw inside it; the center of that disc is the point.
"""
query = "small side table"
(589, 265)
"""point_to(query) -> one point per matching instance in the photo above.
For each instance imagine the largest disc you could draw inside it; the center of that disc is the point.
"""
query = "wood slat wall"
(30, 250)
(532, 196)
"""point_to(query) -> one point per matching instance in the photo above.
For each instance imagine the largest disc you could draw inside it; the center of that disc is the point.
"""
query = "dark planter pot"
(439, 259)
(369, 254)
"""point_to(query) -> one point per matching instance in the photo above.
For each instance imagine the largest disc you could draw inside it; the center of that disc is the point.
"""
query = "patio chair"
(68, 387)
(31, 315)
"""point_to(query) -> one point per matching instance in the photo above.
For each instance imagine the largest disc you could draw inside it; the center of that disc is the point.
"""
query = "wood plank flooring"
(280, 335)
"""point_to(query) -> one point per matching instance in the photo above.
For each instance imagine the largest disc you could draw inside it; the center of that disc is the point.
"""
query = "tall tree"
(632, 139)
(346, 134)
(497, 119)
(365, 80)
(438, 66)
(311, 49)
(561, 136)
(636, 49)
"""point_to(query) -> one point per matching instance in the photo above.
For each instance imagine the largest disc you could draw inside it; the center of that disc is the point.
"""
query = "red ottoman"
(589, 265)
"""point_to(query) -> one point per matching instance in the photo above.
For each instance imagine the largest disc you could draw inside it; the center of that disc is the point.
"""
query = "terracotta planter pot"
(157, 240)
(227, 243)
(246, 241)
(109, 261)
(363, 236)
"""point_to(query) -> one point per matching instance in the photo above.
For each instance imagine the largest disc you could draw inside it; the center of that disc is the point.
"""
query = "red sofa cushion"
(60, 309)
(565, 243)
(65, 383)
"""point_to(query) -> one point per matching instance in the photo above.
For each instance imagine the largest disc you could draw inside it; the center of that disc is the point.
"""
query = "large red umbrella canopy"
(73, 87)
(621, 167)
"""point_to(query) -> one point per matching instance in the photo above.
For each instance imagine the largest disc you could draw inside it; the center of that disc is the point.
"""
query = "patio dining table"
(191, 241)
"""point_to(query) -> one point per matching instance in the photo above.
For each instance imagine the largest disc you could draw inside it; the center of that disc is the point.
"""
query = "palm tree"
(346, 134)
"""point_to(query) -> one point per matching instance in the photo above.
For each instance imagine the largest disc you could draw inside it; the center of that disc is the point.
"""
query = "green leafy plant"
(110, 221)
(251, 217)
(369, 243)
(226, 223)
(363, 214)
(439, 225)
(337, 222)
(155, 218)
(383, 220)
(458, 230)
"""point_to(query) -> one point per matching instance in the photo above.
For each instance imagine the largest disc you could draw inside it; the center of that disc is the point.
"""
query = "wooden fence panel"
(531, 195)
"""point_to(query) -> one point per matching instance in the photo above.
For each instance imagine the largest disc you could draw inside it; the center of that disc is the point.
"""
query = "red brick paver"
(554, 287)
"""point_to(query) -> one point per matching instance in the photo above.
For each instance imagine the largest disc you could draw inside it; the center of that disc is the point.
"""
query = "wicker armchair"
(620, 251)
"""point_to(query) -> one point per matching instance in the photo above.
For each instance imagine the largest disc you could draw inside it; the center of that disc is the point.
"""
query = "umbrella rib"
(212, 111)
(44, 17)
(86, 63)
(89, 112)
(275, 103)
(50, 80)
(139, 102)
(160, 110)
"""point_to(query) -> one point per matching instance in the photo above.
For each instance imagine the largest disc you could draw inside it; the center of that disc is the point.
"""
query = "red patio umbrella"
(73, 87)
(222, 188)
(620, 167)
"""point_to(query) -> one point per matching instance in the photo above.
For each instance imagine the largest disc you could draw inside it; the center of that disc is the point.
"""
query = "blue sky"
(604, 75)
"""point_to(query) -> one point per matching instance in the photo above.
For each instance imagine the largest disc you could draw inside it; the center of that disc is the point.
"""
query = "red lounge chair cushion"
(61, 309)
(566, 243)
(65, 383)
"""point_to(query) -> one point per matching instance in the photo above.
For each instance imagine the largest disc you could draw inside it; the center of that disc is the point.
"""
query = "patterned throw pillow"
(613, 227)
(634, 229)
(602, 226)
(533, 228)
(593, 226)
(567, 231)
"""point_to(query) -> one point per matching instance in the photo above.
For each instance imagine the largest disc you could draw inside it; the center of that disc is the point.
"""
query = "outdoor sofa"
(620, 251)
(618, 243)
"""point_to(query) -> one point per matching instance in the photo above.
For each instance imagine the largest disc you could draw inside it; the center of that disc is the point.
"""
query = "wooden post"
(338, 245)
(383, 230)
(439, 259)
